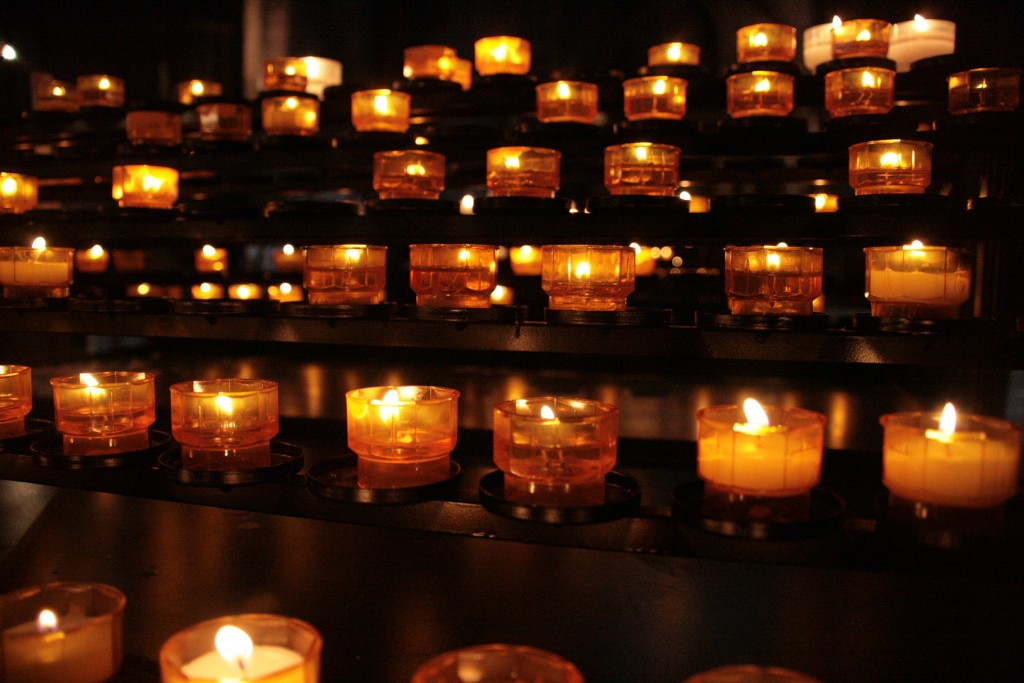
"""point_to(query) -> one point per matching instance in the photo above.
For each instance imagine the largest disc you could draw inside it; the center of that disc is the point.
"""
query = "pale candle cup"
(291, 114)
(15, 399)
(18, 193)
(654, 97)
(766, 43)
(143, 186)
(759, 93)
(587, 277)
(920, 38)
(672, 54)
(915, 281)
(380, 110)
(321, 73)
(408, 174)
(453, 275)
(861, 38)
(566, 102)
(769, 280)
(497, 662)
(641, 168)
(104, 413)
(285, 73)
(890, 167)
(853, 92)
(36, 272)
(979, 90)
(495, 55)
(817, 48)
(195, 89)
(523, 171)
(345, 274)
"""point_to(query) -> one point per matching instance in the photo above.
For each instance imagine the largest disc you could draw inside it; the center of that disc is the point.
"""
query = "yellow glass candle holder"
(62, 632)
(18, 193)
(205, 291)
(283, 650)
(36, 271)
(641, 168)
(321, 73)
(48, 95)
(920, 38)
(566, 101)
(403, 435)
(774, 454)
(100, 90)
(984, 90)
(860, 38)
(766, 43)
(916, 281)
(245, 291)
(750, 673)
(103, 413)
(525, 260)
(15, 399)
(453, 275)
(584, 277)
(224, 121)
(759, 93)
(852, 92)
(95, 259)
(224, 424)
(502, 55)
(345, 274)
(497, 662)
(817, 47)
(153, 127)
(555, 451)
(296, 114)
(769, 280)
(671, 54)
(284, 73)
(380, 110)
(286, 292)
(890, 167)
(429, 62)
(408, 174)
(190, 91)
(523, 171)
(654, 97)
(145, 187)
(210, 259)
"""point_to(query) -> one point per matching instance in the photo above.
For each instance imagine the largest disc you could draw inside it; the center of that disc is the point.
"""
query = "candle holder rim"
(508, 407)
(467, 245)
(923, 144)
(570, 670)
(862, 19)
(766, 23)
(108, 591)
(597, 247)
(448, 394)
(983, 425)
(416, 152)
(315, 646)
(344, 246)
(653, 145)
(25, 250)
(654, 77)
(74, 381)
(788, 247)
(383, 91)
(907, 247)
(525, 148)
(265, 385)
(135, 167)
(568, 81)
(801, 413)
(11, 369)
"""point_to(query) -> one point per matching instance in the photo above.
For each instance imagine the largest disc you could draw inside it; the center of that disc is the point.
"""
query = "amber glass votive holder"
(915, 281)
(50, 95)
(408, 174)
(284, 73)
(15, 399)
(245, 291)
(750, 673)
(192, 90)
(85, 644)
(288, 651)
(654, 97)
(429, 61)
(153, 127)
(861, 38)
(100, 90)
(566, 102)
(18, 193)
(772, 280)
(766, 43)
(586, 277)
(345, 274)
(453, 275)
(525, 260)
(759, 93)
(670, 54)
(852, 92)
(224, 121)
(210, 259)
(523, 171)
(641, 168)
(984, 90)
(890, 167)
(205, 291)
(497, 662)
(224, 424)
(142, 186)
(403, 435)
(502, 55)
(95, 259)
(380, 110)
(103, 413)
(291, 114)
(36, 272)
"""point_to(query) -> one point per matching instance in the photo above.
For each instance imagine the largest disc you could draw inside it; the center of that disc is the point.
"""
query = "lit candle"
(916, 281)
(285, 292)
(207, 290)
(962, 461)
(224, 121)
(104, 413)
(825, 202)
(765, 42)
(818, 44)
(867, 90)
(211, 259)
(145, 289)
(245, 291)
(284, 73)
(671, 54)
(345, 274)
(699, 203)
(765, 451)
(890, 167)
(779, 280)
(502, 55)
(759, 93)
(288, 259)
(641, 168)
(190, 91)
(408, 174)
(380, 110)
(453, 275)
(92, 260)
(920, 38)
(497, 662)
(654, 97)
(50, 95)
(645, 260)
(144, 186)
(860, 38)
(402, 435)
(566, 101)
(429, 62)
(321, 73)
(523, 171)
(36, 271)
(583, 277)
(525, 260)
(153, 127)
(15, 399)
(502, 296)
(100, 90)
(984, 90)
(18, 193)
(295, 114)
(463, 73)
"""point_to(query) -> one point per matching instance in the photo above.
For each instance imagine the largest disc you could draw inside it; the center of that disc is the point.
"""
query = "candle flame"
(205, 288)
(947, 423)
(640, 153)
(291, 103)
(39, 243)
(225, 406)
(104, 83)
(759, 39)
(285, 288)
(463, 257)
(890, 160)
(46, 622)
(754, 413)
(420, 140)
(243, 292)
(382, 103)
(387, 412)
(88, 380)
(869, 81)
(209, 251)
(234, 645)
(288, 249)
(920, 23)
(415, 168)
(582, 270)
(512, 163)
(8, 187)
(352, 256)
(916, 244)
(58, 91)
(772, 261)
(96, 251)
(444, 64)
(763, 85)
(289, 70)
(466, 205)
(836, 22)
(660, 86)
(863, 36)
(500, 53)
(782, 245)
(675, 52)
(562, 90)
(526, 251)
(198, 88)
(547, 413)
(143, 289)
(151, 183)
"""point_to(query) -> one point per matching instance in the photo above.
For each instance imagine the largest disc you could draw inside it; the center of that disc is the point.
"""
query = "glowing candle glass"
(762, 451)
(920, 38)
(769, 280)
(50, 95)
(523, 171)
(463, 73)
(430, 62)
(984, 90)
(502, 55)
(380, 110)
(153, 127)
(860, 38)
(525, 260)
(211, 259)
(145, 187)
(867, 90)
(18, 193)
(670, 54)
(825, 202)
(321, 73)
(645, 261)
(224, 121)
(641, 168)
(654, 97)
(502, 296)
(245, 291)
(284, 73)
(146, 289)
(99, 90)
(566, 101)
(190, 91)
(15, 399)
(402, 435)
(453, 275)
(292, 114)
(205, 291)
(817, 46)
(890, 167)
(750, 673)
(408, 174)
(285, 292)
(759, 93)
(963, 461)
(36, 271)
(92, 260)
(766, 43)
(345, 274)
(102, 413)
(61, 632)
(224, 424)
(582, 277)
(288, 259)
(915, 281)
(497, 662)
(242, 649)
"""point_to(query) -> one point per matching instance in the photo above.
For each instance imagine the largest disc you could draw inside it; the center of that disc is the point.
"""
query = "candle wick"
(240, 663)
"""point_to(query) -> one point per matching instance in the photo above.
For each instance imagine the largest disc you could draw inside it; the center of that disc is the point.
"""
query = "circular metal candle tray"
(621, 491)
(375, 312)
(49, 452)
(285, 460)
(868, 202)
(21, 444)
(494, 314)
(225, 307)
(863, 322)
(631, 317)
(338, 479)
(817, 322)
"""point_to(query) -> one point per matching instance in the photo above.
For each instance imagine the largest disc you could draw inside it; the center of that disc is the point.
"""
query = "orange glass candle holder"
(584, 277)
(321, 73)
(852, 92)
(296, 114)
(224, 424)
(380, 110)
(205, 291)
(523, 171)
(15, 399)
(103, 413)
(210, 259)
(288, 259)
(774, 454)
(408, 174)
(50, 95)
(641, 168)
(555, 451)
(403, 435)
(245, 291)
(95, 259)
(143, 186)
(99, 90)
(146, 289)
(345, 274)
(224, 121)
(890, 167)
(18, 193)
(463, 73)
(242, 648)
(766, 43)
(453, 275)
(759, 93)
(284, 73)
(525, 260)
(860, 38)
(285, 292)
(654, 97)
(772, 280)
(984, 90)
(190, 91)
(62, 632)
(566, 101)
(36, 271)
(750, 673)
(497, 662)
(153, 127)
(916, 281)
(502, 55)
(671, 54)
(429, 62)
(920, 38)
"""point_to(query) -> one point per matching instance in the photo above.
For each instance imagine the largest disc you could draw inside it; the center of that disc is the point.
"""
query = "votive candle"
(321, 73)
(566, 101)
(641, 168)
(153, 127)
(284, 73)
(36, 271)
(18, 193)
(525, 260)
(759, 93)
(502, 55)
(920, 38)
(866, 90)
(890, 167)
(523, 171)
(916, 281)
(50, 95)
(380, 110)
(860, 38)
(453, 275)
(429, 62)
(670, 54)
(408, 174)
(95, 259)
(211, 259)
(15, 399)
(291, 114)
(497, 662)
(224, 121)
(654, 97)
(100, 90)
(102, 413)
(586, 277)
(192, 90)
(144, 186)
(772, 280)
(766, 42)
(345, 274)
(979, 90)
